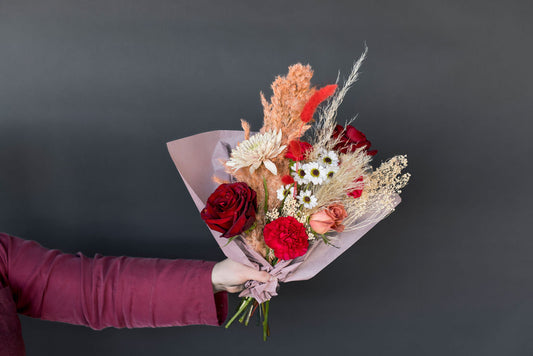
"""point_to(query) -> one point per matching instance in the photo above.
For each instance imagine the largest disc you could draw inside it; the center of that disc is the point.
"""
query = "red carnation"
(356, 193)
(287, 237)
(351, 139)
(231, 209)
(297, 150)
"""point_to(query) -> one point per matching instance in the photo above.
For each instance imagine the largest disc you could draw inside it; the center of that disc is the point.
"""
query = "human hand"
(230, 276)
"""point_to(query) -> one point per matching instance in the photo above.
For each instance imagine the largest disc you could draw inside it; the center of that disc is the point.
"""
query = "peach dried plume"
(219, 181)
(246, 128)
(290, 94)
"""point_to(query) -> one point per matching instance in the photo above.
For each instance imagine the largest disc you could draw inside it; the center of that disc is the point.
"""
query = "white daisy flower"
(330, 171)
(300, 175)
(315, 173)
(307, 199)
(283, 191)
(258, 149)
(328, 158)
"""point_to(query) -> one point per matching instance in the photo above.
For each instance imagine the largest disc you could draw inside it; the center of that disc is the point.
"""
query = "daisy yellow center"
(301, 173)
(307, 199)
(315, 172)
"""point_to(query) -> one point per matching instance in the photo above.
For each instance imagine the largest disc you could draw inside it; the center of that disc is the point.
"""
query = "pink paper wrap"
(197, 159)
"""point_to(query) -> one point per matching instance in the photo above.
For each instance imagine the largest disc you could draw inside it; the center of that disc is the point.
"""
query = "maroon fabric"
(102, 291)
(10, 333)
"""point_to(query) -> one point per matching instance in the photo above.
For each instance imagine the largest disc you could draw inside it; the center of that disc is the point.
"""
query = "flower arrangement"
(301, 185)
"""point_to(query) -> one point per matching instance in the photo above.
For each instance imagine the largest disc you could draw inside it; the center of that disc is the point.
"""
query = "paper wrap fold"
(197, 159)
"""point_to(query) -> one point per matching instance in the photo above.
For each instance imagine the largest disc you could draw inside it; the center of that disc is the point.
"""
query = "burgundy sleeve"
(103, 291)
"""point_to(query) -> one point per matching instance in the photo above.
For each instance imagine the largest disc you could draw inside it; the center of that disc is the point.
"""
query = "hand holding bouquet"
(289, 202)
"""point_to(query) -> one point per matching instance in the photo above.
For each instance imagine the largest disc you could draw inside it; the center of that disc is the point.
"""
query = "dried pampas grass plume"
(326, 122)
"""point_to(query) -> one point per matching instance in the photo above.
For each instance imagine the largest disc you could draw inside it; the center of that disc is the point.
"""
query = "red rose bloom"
(297, 150)
(287, 237)
(231, 209)
(351, 139)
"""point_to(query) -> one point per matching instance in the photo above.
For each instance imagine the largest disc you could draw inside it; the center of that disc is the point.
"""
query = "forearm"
(112, 291)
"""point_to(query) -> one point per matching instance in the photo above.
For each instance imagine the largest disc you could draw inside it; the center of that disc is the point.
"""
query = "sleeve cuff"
(216, 305)
(190, 300)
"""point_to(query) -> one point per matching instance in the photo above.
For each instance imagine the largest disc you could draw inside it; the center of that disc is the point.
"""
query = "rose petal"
(354, 134)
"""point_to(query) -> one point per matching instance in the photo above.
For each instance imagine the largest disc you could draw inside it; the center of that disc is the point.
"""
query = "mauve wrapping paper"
(197, 159)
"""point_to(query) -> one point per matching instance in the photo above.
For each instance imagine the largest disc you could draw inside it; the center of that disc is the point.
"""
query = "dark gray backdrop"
(90, 92)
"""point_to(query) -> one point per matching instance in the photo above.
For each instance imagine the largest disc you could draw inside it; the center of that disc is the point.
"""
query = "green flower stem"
(266, 194)
(266, 330)
(250, 313)
(243, 315)
(245, 302)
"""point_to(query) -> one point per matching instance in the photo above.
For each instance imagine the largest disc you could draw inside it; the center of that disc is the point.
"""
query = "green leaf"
(231, 239)
(251, 228)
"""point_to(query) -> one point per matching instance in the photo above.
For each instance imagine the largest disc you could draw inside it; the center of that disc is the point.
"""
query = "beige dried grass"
(327, 114)
(379, 192)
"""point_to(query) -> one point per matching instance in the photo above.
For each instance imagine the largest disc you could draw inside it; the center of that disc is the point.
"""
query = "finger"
(235, 288)
(260, 276)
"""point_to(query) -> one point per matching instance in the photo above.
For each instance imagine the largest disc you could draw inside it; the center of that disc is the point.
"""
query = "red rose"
(231, 209)
(356, 193)
(287, 237)
(297, 150)
(351, 139)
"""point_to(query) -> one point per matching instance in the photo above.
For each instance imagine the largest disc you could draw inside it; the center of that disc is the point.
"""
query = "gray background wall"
(90, 92)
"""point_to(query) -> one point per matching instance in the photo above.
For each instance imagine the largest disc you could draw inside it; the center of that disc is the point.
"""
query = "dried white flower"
(310, 235)
(290, 207)
(272, 215)
(258, 149)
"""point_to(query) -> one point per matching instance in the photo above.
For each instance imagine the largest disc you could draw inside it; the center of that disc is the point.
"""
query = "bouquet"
(292, 197)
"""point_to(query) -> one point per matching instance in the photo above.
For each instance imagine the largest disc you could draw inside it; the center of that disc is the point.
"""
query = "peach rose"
(328, 219)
